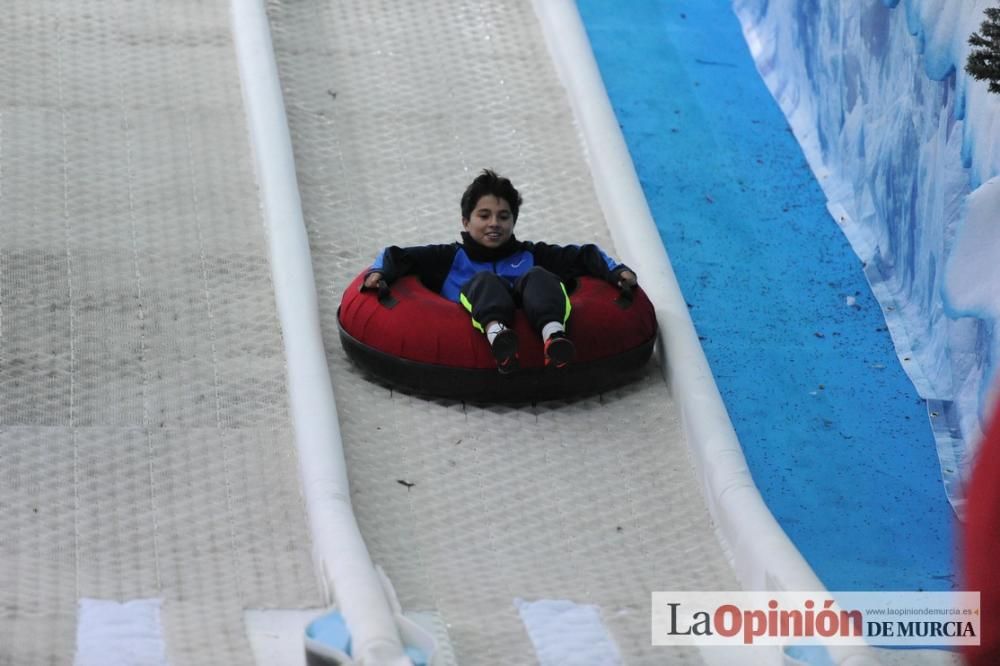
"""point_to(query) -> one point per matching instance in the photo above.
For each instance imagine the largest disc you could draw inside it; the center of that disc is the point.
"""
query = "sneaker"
(505, 351)
(559, 350)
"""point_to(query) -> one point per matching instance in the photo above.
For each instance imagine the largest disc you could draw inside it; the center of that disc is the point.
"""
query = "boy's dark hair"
(486, 183)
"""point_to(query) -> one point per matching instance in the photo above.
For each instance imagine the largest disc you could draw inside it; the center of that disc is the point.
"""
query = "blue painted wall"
(836, 437)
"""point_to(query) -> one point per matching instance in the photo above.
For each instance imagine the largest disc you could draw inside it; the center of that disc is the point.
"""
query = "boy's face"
(491, 223)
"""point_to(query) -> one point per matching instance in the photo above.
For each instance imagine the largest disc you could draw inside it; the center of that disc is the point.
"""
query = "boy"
(490, 272)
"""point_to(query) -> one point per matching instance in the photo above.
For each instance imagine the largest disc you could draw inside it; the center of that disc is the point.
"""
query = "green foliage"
(984, 60)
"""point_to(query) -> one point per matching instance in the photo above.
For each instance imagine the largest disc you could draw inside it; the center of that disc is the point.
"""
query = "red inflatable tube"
(414, 339)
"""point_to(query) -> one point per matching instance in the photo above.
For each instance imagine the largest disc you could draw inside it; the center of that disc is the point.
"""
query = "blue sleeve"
(379, 263)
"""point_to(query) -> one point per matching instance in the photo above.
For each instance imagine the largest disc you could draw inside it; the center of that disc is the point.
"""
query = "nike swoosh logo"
(517, 264)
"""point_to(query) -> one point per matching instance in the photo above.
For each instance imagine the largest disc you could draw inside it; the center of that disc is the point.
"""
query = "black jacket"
(446, 268)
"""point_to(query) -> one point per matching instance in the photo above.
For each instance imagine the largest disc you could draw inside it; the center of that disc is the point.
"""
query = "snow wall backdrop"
(907, 149)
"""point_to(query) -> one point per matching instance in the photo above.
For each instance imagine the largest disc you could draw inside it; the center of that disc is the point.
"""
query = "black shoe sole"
(505, 351)
(559, 352)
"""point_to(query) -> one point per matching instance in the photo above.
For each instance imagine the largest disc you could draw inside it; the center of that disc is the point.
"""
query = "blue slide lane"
(835, 435)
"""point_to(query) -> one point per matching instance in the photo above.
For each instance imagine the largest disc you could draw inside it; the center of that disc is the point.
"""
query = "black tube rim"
(487, 385)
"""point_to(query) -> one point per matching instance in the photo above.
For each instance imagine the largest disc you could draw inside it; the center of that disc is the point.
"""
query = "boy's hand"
(627, 278)
(371, 282)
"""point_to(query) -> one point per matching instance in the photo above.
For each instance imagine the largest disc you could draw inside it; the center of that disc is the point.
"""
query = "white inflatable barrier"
(339, 550)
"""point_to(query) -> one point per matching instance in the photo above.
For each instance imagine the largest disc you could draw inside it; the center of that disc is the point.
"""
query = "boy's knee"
(538, 270)
(488, 296)
(539, 274)
(482, 278)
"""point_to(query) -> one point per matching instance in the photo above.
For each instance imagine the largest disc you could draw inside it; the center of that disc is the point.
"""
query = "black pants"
(538, 292)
